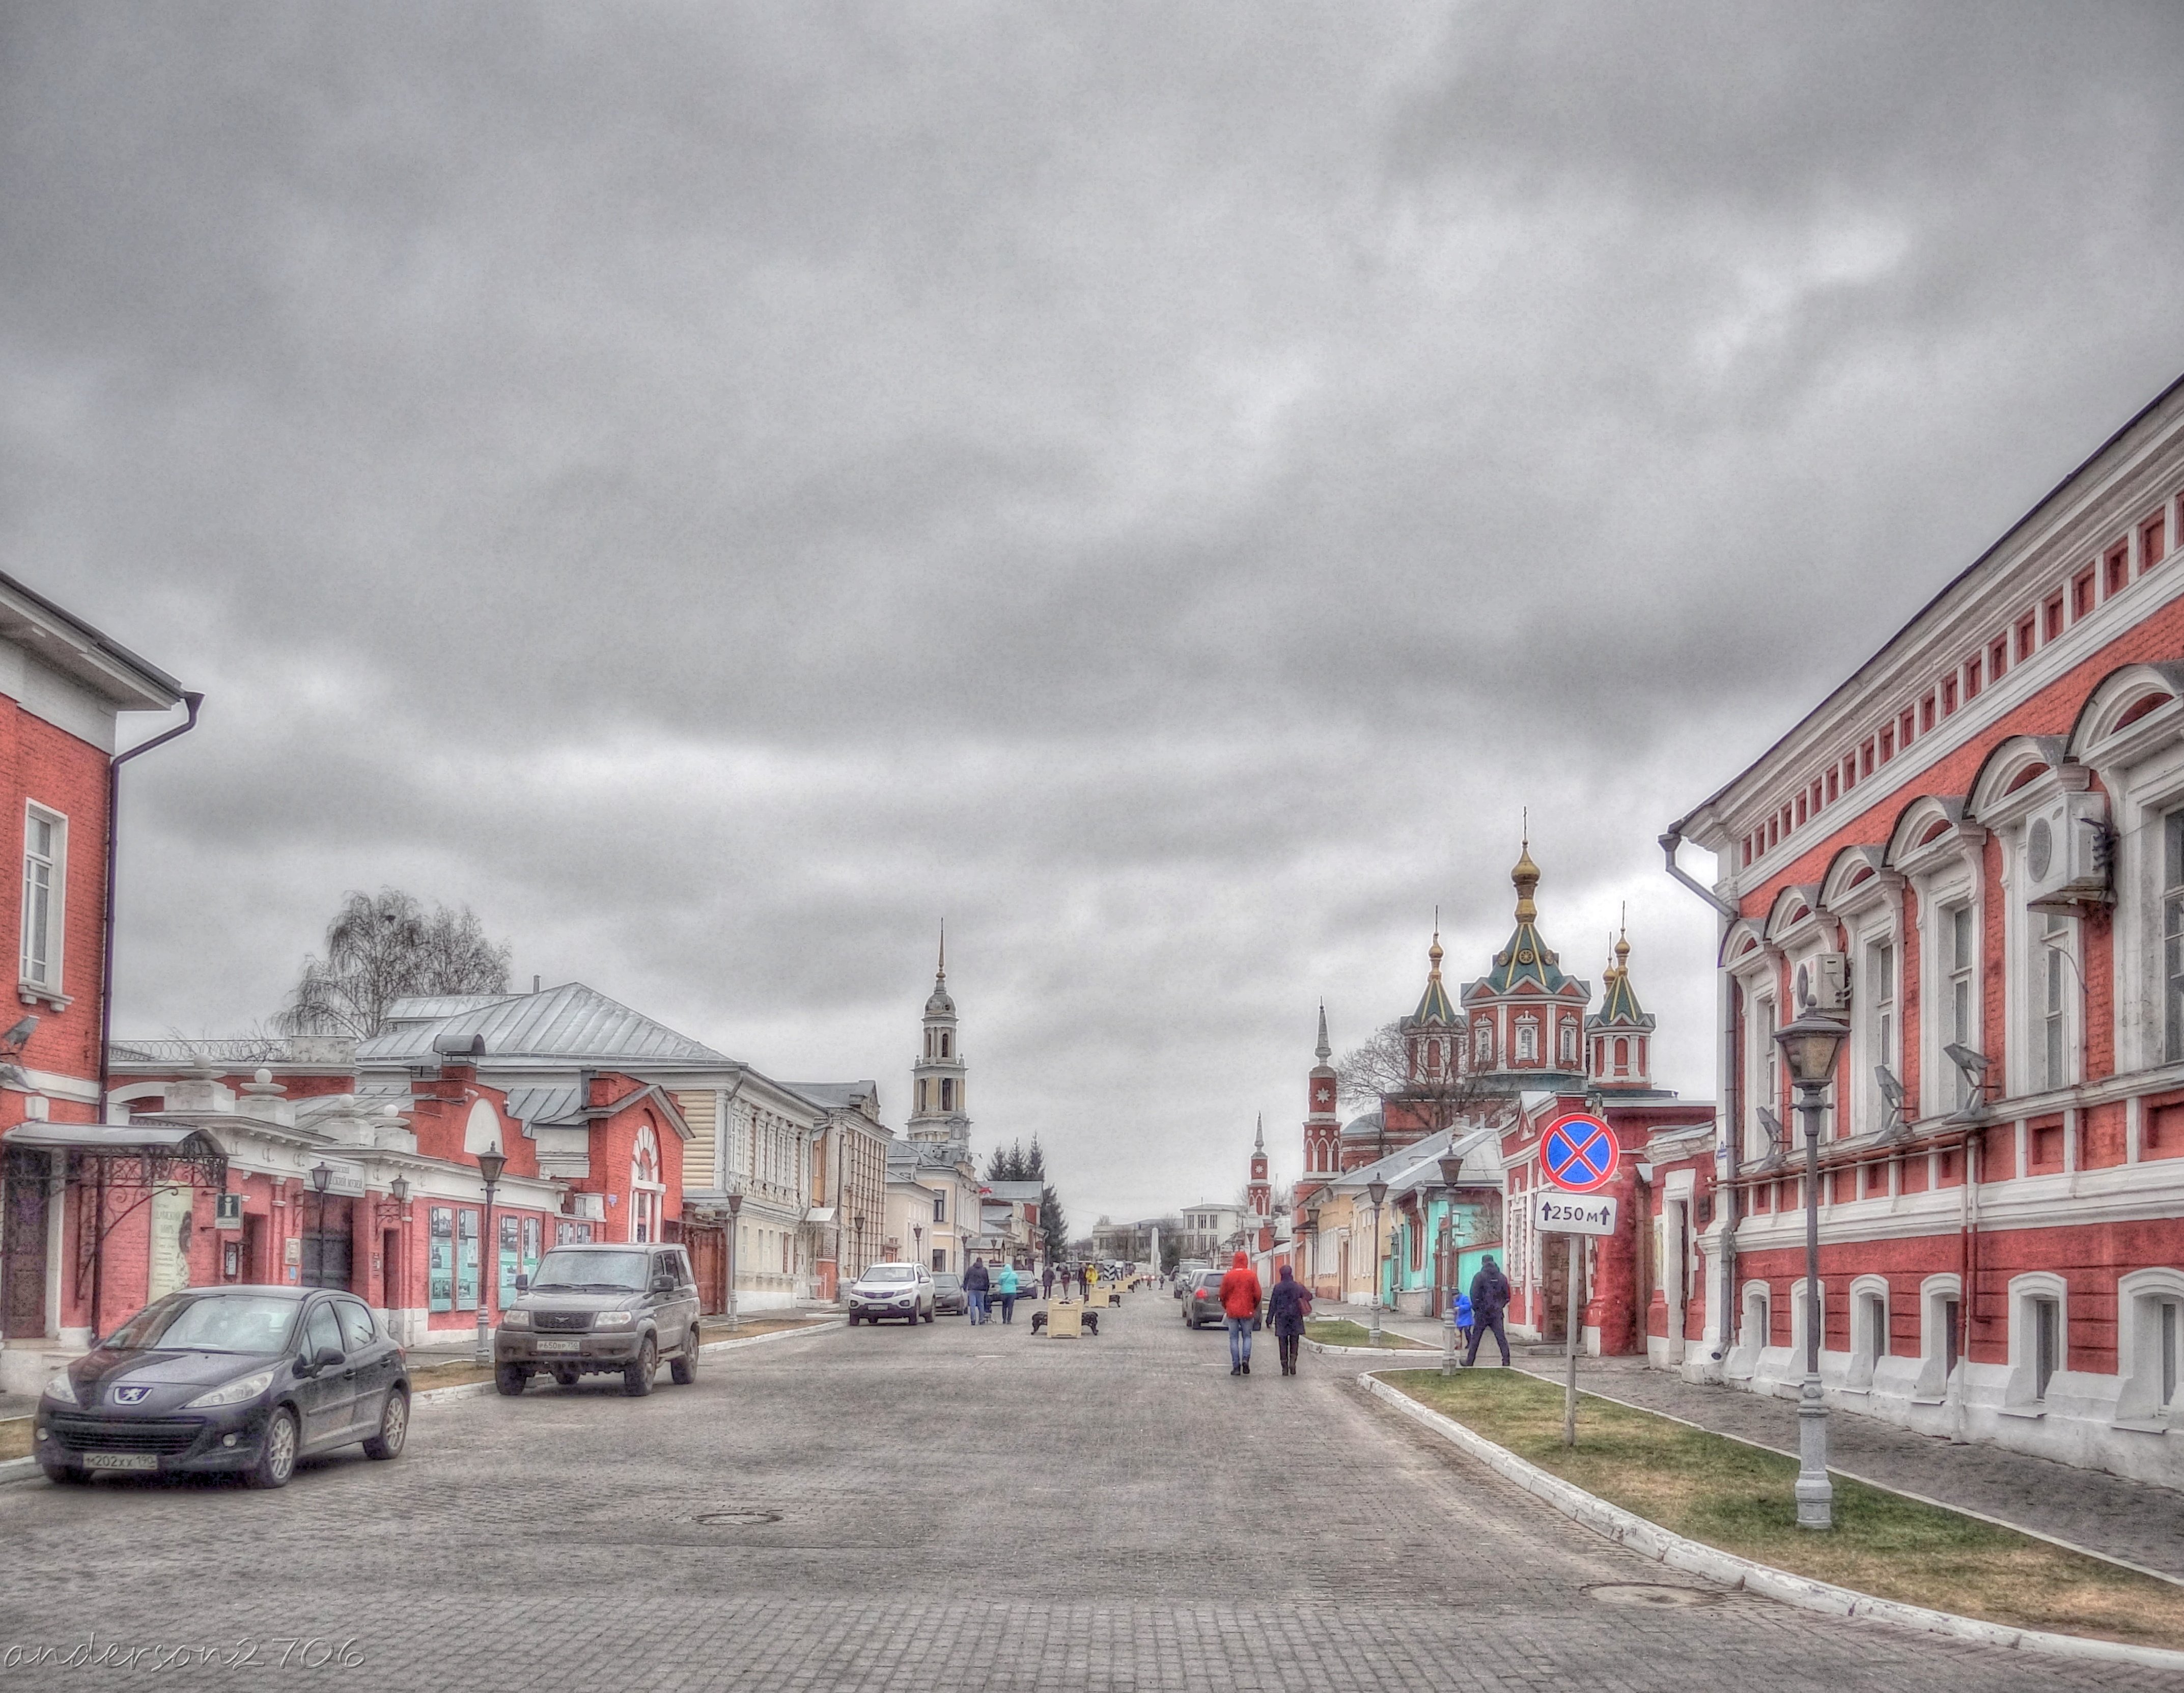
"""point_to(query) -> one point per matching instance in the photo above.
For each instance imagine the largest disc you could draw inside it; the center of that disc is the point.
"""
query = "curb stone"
(1651, 1541)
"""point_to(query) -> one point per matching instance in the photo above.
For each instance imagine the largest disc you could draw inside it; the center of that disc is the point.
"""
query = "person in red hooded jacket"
(1239, 1301)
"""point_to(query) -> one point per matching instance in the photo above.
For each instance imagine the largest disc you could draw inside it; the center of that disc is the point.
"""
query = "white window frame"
(2024, 1391)
(1762, 1060)
(1528, 1040)
(1869, 1331)
(1936, 1293)
(1799, 1315)
(49, 983)
(2139, 1349)
(1870, 1043)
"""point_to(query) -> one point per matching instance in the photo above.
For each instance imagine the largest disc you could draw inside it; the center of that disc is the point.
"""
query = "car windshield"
(216, 1322)
(946, 1280)
(891, 1273)
(591, 1272)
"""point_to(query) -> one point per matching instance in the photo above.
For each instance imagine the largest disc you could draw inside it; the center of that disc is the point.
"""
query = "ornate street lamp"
(322, 1177)
(1376, 1192)
(491, 1163)
(1809, 1046)
(735, 1210)
(1451, 1168)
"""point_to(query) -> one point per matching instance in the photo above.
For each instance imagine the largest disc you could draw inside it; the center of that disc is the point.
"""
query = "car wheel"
(276, 1453)
(684, 1369)
(637, 1378)
(931, 1316)
(394, 1427)
(853, 1319)
(511, 1378)
(564, 1375)
(65, 1475)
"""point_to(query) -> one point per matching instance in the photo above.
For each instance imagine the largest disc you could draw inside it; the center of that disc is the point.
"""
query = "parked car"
(243, 1378)
(948, 1294)
(904, 1290)
(601, 1309)
(1201, 1302)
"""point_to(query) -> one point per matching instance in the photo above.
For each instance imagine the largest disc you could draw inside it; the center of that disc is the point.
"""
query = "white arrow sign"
(1555, 1213)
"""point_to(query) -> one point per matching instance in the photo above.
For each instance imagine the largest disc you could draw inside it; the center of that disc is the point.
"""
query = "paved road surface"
(945, 1508)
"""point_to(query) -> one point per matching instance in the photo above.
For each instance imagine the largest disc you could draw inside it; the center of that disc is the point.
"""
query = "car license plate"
(559, 1345)
(120, 1460)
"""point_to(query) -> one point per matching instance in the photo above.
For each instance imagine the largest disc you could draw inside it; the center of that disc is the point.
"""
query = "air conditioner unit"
(1823, 984)
(2067, 853)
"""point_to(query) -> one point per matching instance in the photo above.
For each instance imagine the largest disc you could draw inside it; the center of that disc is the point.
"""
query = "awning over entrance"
(117, 1139)
(820, 1213)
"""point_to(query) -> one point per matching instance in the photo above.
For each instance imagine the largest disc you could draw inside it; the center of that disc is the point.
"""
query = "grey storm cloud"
(719, 488)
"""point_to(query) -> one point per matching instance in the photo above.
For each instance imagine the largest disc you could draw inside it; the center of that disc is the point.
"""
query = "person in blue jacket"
(1004, 1285)
(976, 1281)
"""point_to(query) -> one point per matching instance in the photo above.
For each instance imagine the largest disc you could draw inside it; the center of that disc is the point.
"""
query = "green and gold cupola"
(1524, 1018)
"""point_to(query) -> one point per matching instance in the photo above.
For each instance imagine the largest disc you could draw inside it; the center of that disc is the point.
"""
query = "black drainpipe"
(1725, 1199)
(113, 862)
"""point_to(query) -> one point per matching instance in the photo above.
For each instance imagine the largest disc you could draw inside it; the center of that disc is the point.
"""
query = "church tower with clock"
(1322, 1127)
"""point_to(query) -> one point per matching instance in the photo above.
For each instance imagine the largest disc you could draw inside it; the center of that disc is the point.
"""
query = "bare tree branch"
(386, 947)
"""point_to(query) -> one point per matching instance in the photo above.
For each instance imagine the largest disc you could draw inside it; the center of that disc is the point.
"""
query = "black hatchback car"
(241, 1378)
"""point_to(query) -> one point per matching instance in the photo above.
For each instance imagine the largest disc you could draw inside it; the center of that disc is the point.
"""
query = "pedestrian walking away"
(1240, 1303)
(1490, 1298)
(1046, 1282)
(976, 1281)
(1004, 1285)
(1287, 1308)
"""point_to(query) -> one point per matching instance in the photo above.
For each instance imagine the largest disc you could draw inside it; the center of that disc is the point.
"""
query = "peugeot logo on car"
(131, 1395)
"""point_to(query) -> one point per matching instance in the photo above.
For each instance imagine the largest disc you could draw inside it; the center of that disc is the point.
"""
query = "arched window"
(1569, 1044)
(646, 1190)
(947, 1043)
(1621, 1054)
(1482, 1042)
(921, 1096)
(947, 1094)
(1528, 1040)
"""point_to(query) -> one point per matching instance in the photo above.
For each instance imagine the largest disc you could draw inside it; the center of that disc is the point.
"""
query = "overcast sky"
(718, 489)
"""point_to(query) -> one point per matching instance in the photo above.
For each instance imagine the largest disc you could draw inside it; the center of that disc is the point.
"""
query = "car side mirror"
(523, 1284)
(663, 1283)
(329, 1357)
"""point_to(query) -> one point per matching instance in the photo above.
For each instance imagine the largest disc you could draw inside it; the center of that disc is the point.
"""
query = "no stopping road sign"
(1579, 1153)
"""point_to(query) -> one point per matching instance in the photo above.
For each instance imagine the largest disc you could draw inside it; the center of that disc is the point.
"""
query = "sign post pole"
(1569, 1348)
(1578, 1155)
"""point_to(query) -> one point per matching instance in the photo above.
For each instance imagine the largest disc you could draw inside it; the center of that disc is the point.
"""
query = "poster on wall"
(440, 1260)
(466, 1260)
(531, 1233)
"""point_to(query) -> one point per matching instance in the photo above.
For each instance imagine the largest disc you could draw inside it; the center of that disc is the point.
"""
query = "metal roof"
(569, 1022)
(231, 1051)
(532, 1106)
(90, 657)
(111, 1137)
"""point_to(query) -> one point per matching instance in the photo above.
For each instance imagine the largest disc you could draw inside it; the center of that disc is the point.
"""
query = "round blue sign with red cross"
(1579, 1153)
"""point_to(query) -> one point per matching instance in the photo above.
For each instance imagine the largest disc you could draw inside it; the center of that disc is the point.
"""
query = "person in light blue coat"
(1004, 1285)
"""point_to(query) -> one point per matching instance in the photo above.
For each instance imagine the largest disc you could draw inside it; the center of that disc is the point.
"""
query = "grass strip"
(1738, 1498)
(1340, 1331)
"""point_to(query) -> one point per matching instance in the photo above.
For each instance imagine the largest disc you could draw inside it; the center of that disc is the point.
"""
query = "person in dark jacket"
(1046, 1281)
(1287, 1308)
(976, 1281)
(1490, 1298)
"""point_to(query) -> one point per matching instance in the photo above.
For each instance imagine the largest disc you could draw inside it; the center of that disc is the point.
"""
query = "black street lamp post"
(491, 1163)
(1452, 1166)
(1376, 1192)
(735, 1210)
(322, 1177)
(1809, 1046)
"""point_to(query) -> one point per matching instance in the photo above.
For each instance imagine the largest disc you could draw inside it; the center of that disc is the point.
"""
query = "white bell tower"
(939, 1106)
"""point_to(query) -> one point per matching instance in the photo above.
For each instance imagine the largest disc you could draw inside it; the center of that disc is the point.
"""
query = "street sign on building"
(1554, 1213)
(1579, 1153)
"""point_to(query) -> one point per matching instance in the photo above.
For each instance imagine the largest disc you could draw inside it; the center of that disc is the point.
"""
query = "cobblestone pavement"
(2138, 1522)
(894, 1510)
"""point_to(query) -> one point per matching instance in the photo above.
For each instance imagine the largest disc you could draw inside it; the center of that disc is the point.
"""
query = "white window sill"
(37, 993)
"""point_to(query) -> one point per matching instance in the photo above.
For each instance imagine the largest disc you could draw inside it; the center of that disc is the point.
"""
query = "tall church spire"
(938, 1088)
(1323, 1051)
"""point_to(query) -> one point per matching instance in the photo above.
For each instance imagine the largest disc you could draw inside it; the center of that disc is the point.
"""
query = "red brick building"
(375, 1185)
(63, 686)
(1975, 845)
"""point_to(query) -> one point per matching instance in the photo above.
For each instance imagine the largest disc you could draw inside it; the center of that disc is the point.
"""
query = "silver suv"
(903, 1291)
(602, 1309)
